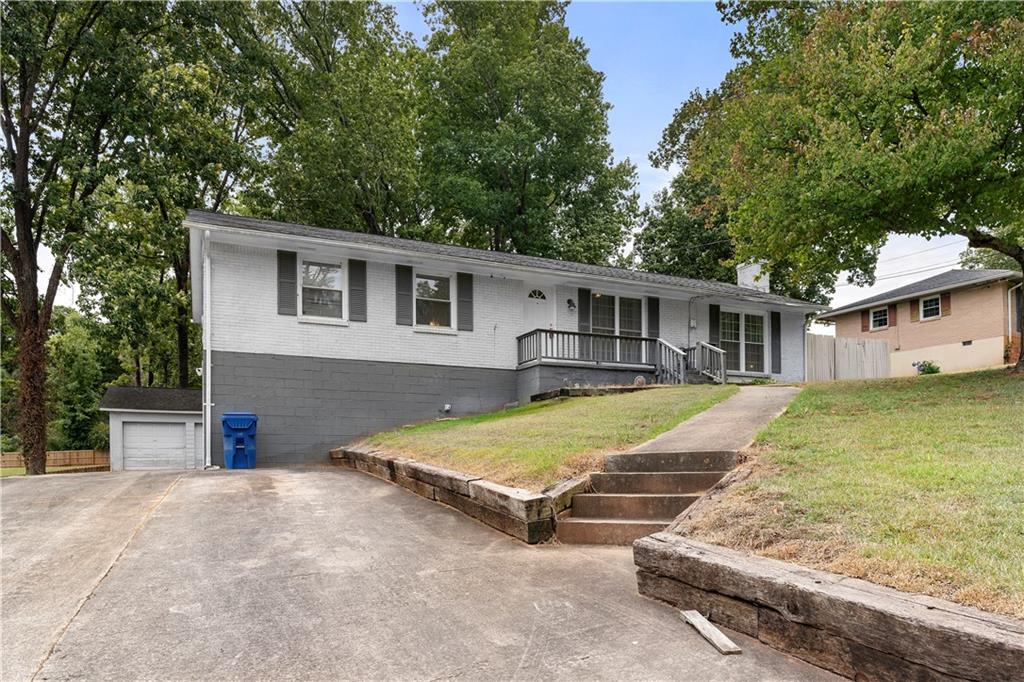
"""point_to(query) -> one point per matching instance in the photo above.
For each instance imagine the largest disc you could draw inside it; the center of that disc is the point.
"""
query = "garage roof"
(118, 398)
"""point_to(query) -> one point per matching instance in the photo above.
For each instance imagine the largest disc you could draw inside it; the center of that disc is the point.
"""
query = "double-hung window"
(602, 321)
(741, 336)
(323, 290)
(931, 308)
(616, 316)
(433, 301)
(879, 318)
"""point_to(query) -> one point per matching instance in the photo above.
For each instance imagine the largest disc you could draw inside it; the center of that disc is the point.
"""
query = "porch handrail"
(670, 363)
(712, 361)
(591, 347)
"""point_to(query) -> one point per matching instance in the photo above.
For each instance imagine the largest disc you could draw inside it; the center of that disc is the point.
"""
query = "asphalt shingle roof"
(154, 399)
(496, 257)
(953, 279)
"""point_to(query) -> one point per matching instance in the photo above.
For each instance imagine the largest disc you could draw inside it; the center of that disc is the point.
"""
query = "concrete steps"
(640, 493)
(655, 482)
(643, 507)
(577, 531)
(638, 460)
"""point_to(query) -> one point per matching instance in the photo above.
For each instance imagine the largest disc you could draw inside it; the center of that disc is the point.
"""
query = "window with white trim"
(433, 294)
(879, 318)
(741, 336)
(323, 293)
(931, 308)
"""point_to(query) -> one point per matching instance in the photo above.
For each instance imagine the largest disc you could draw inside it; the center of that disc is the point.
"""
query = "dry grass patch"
(539, 444)
(913, 483)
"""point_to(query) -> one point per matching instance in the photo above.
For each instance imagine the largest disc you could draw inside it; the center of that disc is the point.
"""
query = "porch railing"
(549, 344)
(710, 361)
(669, 363)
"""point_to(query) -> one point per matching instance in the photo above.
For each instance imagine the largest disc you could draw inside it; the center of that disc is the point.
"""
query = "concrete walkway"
(319, 574)
(728, 426)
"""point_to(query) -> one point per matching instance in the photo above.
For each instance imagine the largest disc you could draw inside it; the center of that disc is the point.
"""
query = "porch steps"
(640, 493)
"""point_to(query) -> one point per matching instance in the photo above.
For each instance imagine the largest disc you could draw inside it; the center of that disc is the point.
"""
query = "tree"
(68, 105)
(515, 127)
(845, 123)
(76, 377)
(682, 235)
(336, 93)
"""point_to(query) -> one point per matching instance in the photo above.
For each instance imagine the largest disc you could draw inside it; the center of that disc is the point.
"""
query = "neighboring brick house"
(328, 334)
(960, 320)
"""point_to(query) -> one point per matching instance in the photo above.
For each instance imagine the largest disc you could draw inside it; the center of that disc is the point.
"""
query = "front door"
(539, 308)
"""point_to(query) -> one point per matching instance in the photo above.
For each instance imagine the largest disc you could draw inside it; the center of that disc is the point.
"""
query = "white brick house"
(328, 335)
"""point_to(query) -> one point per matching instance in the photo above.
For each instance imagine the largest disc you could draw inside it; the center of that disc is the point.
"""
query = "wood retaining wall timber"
(852, 627)
(520, 513)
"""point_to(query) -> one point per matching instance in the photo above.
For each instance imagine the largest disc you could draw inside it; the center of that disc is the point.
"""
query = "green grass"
(540, 443)
(917, 483)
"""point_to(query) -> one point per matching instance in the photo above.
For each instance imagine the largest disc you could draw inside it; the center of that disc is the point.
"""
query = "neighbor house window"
(433, 301)
(930, 308)
(879, 318)
(322, 292)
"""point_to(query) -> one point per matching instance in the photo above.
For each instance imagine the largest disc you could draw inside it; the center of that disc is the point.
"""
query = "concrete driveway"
(318, 574)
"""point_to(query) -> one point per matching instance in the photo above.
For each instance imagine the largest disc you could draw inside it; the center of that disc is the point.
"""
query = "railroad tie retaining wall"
(849, 626)
(520, 513)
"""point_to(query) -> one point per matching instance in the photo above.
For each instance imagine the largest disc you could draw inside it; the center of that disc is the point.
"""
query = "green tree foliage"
(336, 97)
(845, 123)
(515, 127)
(683, 234)
(76, 377)
(69, 105)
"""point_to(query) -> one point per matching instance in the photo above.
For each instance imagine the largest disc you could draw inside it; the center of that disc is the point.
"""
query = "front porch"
(648, 356)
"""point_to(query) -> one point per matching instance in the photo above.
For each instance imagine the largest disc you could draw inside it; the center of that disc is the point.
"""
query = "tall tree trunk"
(32, 398)
(181, 320)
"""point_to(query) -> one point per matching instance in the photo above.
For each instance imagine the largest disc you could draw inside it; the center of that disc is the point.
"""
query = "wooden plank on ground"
(710, 632)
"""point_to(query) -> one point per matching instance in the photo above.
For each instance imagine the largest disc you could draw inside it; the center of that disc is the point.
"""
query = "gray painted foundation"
(306, 406)
(538, 378)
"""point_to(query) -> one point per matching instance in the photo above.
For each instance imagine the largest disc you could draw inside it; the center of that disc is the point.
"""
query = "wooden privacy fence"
(61, 458)
(830, 357)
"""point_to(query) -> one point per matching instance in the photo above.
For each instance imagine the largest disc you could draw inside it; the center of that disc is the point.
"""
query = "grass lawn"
(538, 444)
(915, 483)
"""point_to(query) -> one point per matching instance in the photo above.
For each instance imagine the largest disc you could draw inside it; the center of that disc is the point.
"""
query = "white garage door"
(155, 445)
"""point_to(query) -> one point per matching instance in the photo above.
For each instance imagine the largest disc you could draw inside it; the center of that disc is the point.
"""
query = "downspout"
(689, 316)
(207, 365)
(1009, 310)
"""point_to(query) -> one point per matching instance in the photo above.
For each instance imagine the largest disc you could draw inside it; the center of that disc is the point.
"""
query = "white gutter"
(1009, 309)
(207, 368)
(118, 409)
(615, 281)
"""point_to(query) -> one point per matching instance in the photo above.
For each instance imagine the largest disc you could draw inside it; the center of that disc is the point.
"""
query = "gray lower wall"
(539, 378)
(307, 406)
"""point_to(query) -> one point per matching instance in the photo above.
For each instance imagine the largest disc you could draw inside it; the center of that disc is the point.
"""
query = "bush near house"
(916, 483)
(541, 443)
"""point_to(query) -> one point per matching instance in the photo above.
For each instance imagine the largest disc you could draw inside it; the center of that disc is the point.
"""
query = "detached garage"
(155, 428)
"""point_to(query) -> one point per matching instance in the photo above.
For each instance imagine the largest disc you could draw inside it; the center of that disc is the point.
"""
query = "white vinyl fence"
(830, 357)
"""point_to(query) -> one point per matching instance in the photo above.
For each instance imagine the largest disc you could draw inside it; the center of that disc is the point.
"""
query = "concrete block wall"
(306, 406)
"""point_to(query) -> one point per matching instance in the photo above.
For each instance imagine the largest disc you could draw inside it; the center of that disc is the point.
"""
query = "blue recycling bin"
(239, 439)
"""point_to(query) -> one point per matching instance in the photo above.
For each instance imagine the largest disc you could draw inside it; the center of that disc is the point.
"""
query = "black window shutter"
(464, 284)
(403, 295)
(357, 290)
(714, 330)
(653, 316)
(584, 309)
(776, 343)
(287, 284)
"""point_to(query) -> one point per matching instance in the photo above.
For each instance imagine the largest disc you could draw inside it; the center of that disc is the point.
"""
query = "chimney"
(749, 275)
